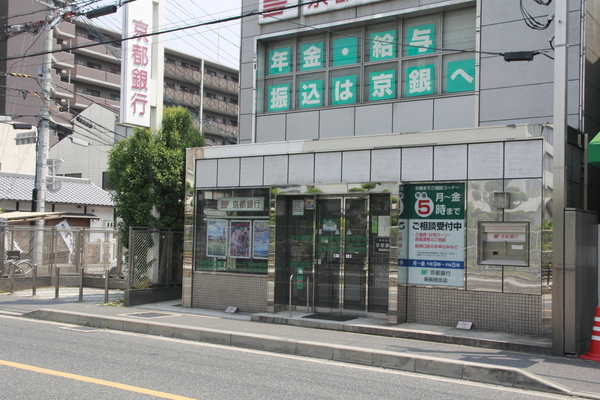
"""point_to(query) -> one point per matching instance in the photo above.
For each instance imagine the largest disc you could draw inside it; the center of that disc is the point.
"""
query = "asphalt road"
(45, 360)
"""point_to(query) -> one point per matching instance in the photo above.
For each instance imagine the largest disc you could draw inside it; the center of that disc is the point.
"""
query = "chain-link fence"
(156, 257)
(96, 250)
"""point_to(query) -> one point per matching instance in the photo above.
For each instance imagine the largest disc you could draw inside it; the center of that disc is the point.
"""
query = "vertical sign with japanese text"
(136, 62)
(436, 254)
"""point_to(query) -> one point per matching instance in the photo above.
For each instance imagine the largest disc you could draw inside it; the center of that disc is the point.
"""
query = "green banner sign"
(460, 76)
(383, 45)
(280, 61)
(420, 80)
(382, 85)
(420, 40)
(279, 97)
(343, 90)
(310, 94)
(311, 56)
(345, 51)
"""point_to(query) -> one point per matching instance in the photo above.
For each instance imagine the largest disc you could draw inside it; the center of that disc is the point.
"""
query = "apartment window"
(234, 79)
(93, 92)
(210, 95)
(93, 65)
(116, 71)
(195, 67)
(233, 101)
(106, 182)
(115, 97)
(210, 118)
(232, 122)
(211, 73)
(398, 58)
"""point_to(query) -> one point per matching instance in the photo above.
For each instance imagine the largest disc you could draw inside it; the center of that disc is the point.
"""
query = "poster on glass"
(260, 248)
(240, 239)
(216, 238)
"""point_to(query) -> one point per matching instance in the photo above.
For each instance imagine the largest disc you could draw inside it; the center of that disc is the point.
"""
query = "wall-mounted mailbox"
(504, 243)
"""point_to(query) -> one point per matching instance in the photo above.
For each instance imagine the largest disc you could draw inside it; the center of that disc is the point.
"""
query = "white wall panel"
(417, 164)
(276, 170)
(328, 167)
(302, 168)
(450, 162)
(486, 161)
(356, 166)
(251, 171)
(206, 173)
(228, 173)
(385, 165)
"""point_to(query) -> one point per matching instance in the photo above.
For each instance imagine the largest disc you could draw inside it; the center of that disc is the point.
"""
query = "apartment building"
(91, 75)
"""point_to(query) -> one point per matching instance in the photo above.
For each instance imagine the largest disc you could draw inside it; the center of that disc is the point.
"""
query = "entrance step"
(432, 333)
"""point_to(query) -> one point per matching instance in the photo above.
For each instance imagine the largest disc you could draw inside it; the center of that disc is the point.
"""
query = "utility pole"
(39, 191)
(38, 203)
(559, 195)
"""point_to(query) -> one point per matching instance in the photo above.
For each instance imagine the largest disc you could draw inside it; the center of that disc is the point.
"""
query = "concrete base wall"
(136, 297)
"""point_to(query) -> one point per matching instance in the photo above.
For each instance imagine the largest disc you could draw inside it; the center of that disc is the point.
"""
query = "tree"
(147, 173)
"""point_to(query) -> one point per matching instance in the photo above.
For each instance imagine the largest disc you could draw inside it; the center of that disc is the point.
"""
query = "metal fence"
(156, 257)
(96, 250)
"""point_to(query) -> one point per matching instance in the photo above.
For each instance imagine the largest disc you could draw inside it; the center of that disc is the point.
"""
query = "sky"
(218, 42)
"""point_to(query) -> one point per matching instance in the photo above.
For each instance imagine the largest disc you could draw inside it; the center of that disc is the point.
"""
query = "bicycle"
(21, 267)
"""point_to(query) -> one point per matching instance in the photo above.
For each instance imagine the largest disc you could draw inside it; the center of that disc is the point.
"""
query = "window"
(234, 79)
(234, 230)
(115, 97)
(93, 65)
(116, 71)
(382, 60)
(211, 73)
(105, 181)
(233, 101)
(210, 95)
(93, 92)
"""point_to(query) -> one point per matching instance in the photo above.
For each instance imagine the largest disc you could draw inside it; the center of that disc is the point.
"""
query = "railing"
(307, 294)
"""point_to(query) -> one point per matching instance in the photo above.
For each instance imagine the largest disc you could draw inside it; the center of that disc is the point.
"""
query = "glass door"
(341, 254)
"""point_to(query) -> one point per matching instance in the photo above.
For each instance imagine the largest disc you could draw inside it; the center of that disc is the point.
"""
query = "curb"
(476, 372)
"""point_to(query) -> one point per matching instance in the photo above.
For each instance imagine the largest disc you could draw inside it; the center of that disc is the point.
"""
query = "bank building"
(417, 161)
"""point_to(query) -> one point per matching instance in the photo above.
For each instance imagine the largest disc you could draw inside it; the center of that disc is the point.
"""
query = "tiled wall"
(219, 291)
(502, 312)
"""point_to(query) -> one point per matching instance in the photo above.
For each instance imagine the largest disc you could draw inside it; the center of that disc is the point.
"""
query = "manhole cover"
(148, 315)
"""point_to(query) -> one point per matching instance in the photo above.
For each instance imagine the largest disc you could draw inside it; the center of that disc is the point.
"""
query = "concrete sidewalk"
(367, 341)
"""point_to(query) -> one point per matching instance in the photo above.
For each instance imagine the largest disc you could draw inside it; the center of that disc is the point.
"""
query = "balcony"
(83, 100)
(97, 77)
(220, 106)
(220, 129)
(64, 30)
(62, 90)
(101, 51)
(183, 98)
(215, 82)
(183, 74)
(63, 59)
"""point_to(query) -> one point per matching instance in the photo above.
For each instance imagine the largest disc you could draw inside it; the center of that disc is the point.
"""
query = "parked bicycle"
(12, 261)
